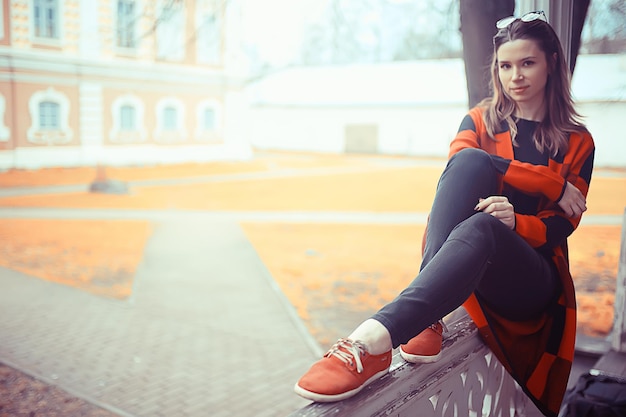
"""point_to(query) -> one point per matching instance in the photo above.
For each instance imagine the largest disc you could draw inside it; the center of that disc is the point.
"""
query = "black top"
(525, 151)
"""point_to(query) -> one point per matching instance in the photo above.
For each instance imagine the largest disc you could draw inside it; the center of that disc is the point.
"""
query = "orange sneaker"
(343, 371)
(426, 346)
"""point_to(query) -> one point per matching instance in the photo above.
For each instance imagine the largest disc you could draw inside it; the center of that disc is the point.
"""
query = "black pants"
(470, 252)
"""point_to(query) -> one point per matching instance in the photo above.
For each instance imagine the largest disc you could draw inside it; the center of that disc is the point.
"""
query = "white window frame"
(160, 133)
(209, 37)
(119, 135)
(170, 31)
(47, 40)
(206, 111)
(42, 115)
(134, 30)
(202, 134)
(5, 132)
(132, 119)
(166, 122)
(49, 137)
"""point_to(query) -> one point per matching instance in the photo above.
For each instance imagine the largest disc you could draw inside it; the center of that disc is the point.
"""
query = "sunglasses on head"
(528, 17)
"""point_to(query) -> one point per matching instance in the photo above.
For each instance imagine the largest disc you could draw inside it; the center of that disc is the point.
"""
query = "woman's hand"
(499, 207)
(573, 202)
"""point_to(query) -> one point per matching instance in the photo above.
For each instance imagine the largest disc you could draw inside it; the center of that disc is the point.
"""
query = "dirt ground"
(25, 396)
(334, 274)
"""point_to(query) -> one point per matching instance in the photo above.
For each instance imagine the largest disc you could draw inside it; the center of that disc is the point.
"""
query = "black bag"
(595, 395)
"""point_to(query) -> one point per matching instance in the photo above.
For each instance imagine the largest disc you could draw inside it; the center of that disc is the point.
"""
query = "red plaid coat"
(538, 353)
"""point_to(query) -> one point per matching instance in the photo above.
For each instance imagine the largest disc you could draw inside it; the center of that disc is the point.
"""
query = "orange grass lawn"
(382, 189)
(100, 256)
(337, 275)
(85, 175)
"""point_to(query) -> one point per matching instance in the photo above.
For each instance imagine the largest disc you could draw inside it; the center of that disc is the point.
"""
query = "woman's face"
(523, 72)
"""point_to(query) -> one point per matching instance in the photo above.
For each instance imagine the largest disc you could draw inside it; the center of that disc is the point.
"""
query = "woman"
(513, 190)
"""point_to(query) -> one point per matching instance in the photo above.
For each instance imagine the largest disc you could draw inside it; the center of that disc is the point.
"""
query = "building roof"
(426, 82)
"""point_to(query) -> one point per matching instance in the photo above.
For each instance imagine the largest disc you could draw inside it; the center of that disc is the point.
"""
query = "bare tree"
(380, 31)
(605, 31)
(437, 37)
(333, 40)
(579, 14)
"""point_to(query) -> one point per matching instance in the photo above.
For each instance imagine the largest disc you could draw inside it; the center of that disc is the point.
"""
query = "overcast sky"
(275, 28)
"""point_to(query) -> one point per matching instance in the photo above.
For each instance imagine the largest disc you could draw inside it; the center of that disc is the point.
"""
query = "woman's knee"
(480, 228)
(471, 171)
(473, 161)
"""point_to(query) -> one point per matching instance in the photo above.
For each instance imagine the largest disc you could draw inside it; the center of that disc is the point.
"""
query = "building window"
(127, 111)
(127, 118)
(46, 18)
(171, 31)
(126, 19)
(170, 114)
(5, 133)
(209, 32)
(208, 117)
(49, 111)
(170, 120)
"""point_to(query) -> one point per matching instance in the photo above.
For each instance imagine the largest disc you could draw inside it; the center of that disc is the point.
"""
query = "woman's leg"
(465, 252)
(469, 175)
(482, 255)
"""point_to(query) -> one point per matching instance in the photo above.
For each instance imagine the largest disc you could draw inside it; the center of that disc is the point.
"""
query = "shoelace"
(444, 328)
(348, 352)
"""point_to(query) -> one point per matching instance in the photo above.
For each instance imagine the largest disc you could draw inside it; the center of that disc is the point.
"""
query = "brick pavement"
(206, 331)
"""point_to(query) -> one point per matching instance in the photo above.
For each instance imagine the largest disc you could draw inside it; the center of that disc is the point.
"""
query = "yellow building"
(116, 82)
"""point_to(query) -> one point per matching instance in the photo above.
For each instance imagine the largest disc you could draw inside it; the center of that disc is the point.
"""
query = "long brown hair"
(560, 119)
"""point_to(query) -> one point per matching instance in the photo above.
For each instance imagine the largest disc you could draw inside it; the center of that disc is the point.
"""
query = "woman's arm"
(536, 179)
(551, 226)
(547, 229)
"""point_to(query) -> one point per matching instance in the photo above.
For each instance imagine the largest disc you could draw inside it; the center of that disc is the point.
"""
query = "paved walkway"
(326, 217)
(206, 332)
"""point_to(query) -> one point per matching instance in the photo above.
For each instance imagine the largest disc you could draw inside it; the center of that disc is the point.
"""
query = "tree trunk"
(478, 26)
(579, 14)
